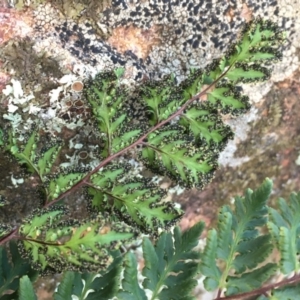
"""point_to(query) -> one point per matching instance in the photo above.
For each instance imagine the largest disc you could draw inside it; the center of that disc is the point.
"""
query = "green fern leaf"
(136, 201)
(2, 139)
(24, 154)
(162, 98)
(286, 293)
(47, 159)
(65, 288)
(261, 43)
(204, 122)
(170, 266)
(26, 291)
(239, 244)
(91, 286)
(61, 182)
(39, 161)
(170, 152)
(193, 84)
(107, 98)
(250, 280)
(59, 245)
(284, 226)
(228, 98)
(130, 287)
(208, 266)
(10, 273)
(246, 73)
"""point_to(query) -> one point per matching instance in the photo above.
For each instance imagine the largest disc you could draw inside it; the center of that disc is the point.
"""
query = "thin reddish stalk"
(262, 290)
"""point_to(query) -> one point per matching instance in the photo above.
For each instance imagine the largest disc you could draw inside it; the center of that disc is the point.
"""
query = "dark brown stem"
(262, 290)
(12, 235)
(38, 241)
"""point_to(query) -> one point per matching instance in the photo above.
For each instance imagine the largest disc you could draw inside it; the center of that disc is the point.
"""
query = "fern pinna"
(165, 127)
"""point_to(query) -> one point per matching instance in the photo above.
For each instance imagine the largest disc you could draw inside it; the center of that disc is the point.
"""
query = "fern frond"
(107, 97)
(161, 98)
(170, 266)
(38, 160)
(62, 181)
(284, 226)
(10, 273)
(250, 280)
(130, 286)
(2, 139)
(135, 200)
(25, 154)
(170, 151)
(57, 245)
(48, 156)
(286, 293)
(26, 291)
(239, 244)
(248, 60)
(228, 98)
(203, 121)
(66, 286)
(208, 265)
(91, 286)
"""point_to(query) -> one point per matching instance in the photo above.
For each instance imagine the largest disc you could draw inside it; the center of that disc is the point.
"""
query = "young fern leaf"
(239, 245)
(284, 226)
(26, 291)
(91, 286)
(57, 245)
(135, 200)
(10, 273)
(107, 97)
(170, 265)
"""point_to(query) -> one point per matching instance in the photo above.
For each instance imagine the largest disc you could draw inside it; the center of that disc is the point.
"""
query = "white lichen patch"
(16, 181)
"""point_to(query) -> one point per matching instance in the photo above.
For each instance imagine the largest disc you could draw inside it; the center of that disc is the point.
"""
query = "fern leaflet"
(90, 286)
(170, 266)
(284, 226)
(10, 273)
(26, 291)
(55, 244)
(106, 96)
(130, 286)
(135, 200)
(240, 246)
